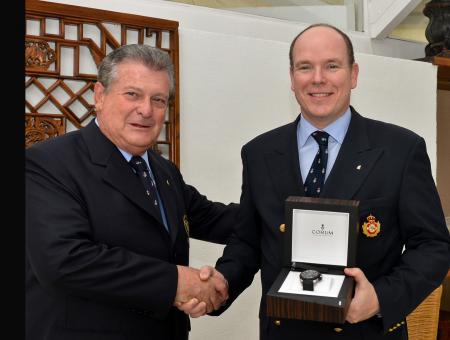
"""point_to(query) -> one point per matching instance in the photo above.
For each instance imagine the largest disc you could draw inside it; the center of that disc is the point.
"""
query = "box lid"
(320, 233)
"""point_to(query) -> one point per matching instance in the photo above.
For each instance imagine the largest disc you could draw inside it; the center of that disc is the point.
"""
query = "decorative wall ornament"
(438, 35)
(64, 45)
(438, 28)
(38, 54)
(41, 127)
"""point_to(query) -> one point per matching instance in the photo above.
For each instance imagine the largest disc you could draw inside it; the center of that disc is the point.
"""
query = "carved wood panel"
(64, 44)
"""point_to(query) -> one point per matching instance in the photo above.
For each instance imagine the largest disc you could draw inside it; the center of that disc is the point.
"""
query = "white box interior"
(330, 285)
(320, 237)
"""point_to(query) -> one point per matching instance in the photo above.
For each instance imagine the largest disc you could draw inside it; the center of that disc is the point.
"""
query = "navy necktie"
(316, 176)
(140, 166)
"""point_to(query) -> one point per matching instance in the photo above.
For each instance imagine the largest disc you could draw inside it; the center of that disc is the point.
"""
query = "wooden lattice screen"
(64, 45)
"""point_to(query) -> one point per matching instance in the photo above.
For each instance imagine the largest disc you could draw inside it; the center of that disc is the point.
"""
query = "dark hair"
(151, 57)
(348, 43)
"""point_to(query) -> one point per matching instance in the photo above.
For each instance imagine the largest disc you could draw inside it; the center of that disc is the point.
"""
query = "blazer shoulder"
(58, 159)
(272, 137)
(55, 145)
(163, 162)
(391, 133)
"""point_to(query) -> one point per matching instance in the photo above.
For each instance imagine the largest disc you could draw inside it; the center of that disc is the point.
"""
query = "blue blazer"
(387, 169)
(99, 262)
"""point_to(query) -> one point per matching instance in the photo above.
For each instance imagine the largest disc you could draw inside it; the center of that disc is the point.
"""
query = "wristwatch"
(308, 278)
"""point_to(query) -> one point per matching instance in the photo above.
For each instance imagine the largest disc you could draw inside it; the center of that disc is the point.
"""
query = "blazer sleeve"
(244, 243)
(208, 220)
(425, 260)
(65, 256)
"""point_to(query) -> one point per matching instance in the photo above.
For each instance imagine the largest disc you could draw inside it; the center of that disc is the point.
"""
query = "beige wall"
(443, 149)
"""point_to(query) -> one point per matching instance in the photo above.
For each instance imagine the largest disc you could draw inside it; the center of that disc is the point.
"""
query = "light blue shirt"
(127, 157)
(308, 147)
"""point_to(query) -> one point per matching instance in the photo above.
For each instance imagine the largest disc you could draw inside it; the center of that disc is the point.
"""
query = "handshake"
(200, 291)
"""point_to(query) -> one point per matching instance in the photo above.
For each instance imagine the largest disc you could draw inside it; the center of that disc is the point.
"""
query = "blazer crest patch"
(371, 227)
(186, 224)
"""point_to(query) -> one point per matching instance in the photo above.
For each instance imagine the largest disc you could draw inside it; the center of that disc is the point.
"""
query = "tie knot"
(321, 137)
(138, 164)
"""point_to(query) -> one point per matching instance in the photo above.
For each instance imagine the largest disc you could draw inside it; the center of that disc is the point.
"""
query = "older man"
(108, 220)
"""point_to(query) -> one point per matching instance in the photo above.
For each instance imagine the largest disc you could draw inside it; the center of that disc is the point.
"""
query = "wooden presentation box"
(319, 234)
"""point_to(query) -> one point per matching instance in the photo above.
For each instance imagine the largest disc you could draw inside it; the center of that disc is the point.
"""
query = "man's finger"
(187, 306)
(206, 272)
(198, 310)
(356, 273)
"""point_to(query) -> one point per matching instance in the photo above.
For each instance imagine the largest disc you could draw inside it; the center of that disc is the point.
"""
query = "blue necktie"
(141, 168)
(316, 177)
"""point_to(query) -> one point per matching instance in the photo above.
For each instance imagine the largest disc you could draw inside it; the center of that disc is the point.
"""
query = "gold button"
(282, 228)
(398, 325)
(403, 322)
(338, 329)
(390, 329)
(277, 322)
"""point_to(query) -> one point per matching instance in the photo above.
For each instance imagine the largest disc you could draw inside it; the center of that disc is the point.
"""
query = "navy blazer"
(387, 169)
(99, 261)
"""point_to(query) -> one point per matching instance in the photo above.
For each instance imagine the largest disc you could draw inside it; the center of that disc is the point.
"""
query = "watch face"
(309, 274)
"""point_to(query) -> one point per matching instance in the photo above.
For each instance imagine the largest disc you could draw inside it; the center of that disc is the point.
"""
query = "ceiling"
(258, 3)
(411, 28)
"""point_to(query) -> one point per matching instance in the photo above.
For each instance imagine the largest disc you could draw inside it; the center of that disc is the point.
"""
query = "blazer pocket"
(379, 203)
(58, 333)
(83, 314)
(378, 218)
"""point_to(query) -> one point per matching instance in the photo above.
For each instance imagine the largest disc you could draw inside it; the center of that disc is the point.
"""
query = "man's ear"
(291, 75)
(354, 75)
(99, 94)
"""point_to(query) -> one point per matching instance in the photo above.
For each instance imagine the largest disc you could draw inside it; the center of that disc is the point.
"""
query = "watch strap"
(308, 285)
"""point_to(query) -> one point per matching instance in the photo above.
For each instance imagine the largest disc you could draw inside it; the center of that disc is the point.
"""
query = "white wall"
(335, 15)
(229, 22)
(235, 85)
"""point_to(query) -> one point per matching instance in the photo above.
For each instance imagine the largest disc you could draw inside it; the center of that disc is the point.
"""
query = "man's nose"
(146, 108)
(318, 75)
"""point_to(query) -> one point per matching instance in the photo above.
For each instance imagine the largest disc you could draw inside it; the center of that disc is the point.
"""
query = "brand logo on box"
(322, 231)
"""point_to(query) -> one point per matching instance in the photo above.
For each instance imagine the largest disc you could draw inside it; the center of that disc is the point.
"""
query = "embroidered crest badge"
(186, 224)
(372, 227)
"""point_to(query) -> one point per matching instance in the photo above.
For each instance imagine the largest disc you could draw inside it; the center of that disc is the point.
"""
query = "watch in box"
(308, 278)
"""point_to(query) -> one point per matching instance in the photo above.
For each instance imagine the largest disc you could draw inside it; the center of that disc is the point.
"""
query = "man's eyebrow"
(301, 62)
(334, 60)
(307, 61)
(131, 87)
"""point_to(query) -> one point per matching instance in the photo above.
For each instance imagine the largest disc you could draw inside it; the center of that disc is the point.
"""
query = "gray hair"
(149, 56)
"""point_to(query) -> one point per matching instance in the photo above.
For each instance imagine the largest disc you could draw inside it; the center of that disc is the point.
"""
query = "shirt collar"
(337, 130)
(126, 154)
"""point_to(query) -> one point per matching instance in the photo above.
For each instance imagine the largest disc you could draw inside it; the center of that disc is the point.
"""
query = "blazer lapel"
(283, 164)
(164, 185)
(355, 160)
(121, 176)
(117, 172)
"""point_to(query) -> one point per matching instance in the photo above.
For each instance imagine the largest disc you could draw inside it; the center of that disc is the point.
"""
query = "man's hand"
(221, 284)
(193, 307)
(200, 292)
(365, 302)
